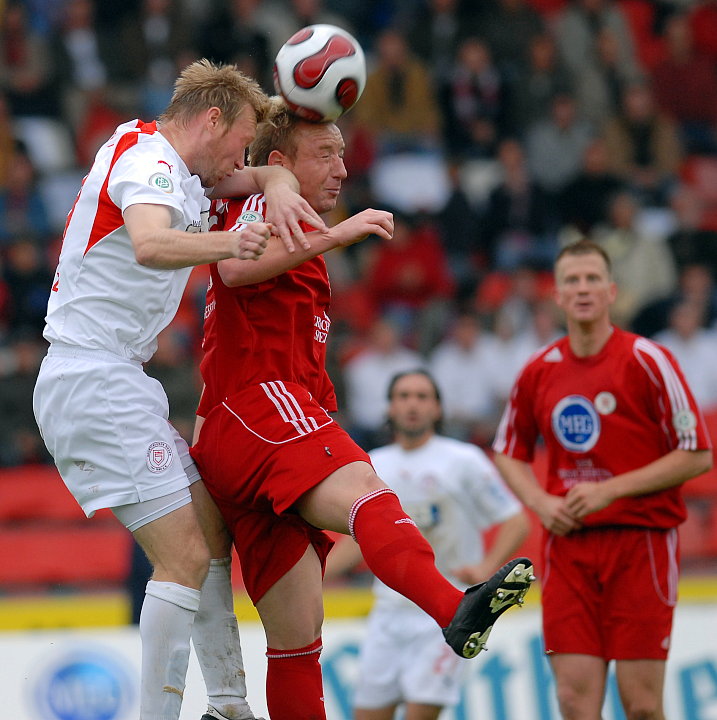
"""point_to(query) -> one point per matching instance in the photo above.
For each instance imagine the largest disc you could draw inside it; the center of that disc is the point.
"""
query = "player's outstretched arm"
(157, 245)
(277, 260)
(358, 227)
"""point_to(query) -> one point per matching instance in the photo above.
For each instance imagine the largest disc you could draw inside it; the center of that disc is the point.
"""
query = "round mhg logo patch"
(575, 423)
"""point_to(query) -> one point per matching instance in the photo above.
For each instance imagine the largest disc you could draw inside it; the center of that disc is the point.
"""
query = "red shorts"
(610, 592)
(258, 453)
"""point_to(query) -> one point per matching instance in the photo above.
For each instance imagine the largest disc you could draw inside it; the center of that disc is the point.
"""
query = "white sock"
(165, 626)
(216, 640)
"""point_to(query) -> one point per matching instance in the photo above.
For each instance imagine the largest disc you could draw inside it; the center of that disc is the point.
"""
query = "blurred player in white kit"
(452, 491)
(138, 226)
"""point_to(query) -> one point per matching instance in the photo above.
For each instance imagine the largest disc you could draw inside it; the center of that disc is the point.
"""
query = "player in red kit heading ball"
(279, 467)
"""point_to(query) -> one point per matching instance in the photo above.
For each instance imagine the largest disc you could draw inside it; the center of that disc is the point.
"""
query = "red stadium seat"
(45, 538)
(35, 491)
(38, 555)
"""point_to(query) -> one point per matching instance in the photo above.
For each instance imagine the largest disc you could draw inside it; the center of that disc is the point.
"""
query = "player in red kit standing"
(279, 467)
(623, 432)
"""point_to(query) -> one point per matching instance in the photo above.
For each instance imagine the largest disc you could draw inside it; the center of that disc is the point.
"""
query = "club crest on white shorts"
(159, 456)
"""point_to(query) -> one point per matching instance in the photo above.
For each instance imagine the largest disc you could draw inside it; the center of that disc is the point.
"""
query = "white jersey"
(452, 491)
(102, 298)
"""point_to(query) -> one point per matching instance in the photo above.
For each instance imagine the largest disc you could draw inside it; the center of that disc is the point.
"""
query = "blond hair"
(276, 132)
(203, 85)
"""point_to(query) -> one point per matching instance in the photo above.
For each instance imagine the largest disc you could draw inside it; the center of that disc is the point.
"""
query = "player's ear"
(213, 117)
(556, 293)
(613, 291)
(276, 158)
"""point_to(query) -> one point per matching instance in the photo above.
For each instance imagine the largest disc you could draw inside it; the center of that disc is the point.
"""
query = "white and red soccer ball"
(320, 72)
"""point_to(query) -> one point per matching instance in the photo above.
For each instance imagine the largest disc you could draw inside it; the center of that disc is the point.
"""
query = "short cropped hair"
(584, 247)
(203, 85)
(277, 132)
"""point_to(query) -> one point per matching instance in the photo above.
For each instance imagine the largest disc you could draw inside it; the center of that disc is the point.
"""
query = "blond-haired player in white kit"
(452, 491)
(136, 229)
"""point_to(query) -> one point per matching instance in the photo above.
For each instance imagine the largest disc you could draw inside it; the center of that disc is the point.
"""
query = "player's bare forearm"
(157, 245)
(672, 469)
(358, 227)
(519, 477)
(552, 510)
(174, 249)
(277, 259)
(510, 536)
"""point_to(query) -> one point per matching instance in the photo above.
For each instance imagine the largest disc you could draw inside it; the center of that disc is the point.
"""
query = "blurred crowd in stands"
(496, 130)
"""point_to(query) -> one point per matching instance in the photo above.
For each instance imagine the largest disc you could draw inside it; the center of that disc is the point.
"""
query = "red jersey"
(273, 330)
(604, 415)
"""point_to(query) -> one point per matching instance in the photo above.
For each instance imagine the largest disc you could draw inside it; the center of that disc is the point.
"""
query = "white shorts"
(137, 515)
(404, 658)
(105, 422)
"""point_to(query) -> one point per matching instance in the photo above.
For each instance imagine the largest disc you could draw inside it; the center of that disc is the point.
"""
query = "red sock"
(294, 690)
(399, 556)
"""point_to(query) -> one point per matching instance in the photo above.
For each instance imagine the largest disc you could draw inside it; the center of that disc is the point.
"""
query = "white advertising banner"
(93, 674)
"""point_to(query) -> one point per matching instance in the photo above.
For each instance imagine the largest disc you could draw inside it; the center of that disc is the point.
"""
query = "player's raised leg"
(353, 500)
(484, 603)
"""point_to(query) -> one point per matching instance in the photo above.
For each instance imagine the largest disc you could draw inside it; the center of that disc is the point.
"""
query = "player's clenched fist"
(251, 242)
